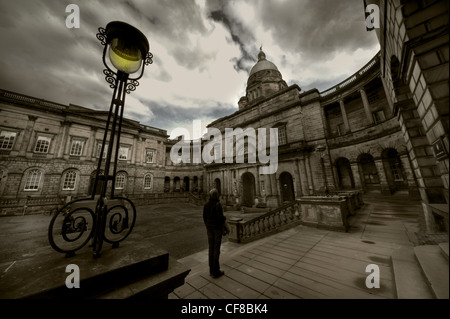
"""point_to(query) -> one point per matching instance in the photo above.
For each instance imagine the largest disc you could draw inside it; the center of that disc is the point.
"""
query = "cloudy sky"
(203, 51)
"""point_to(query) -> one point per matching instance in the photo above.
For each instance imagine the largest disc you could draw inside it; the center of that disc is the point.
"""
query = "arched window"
(69, 180)
(120, 180)
(33, 180)
(148, 181)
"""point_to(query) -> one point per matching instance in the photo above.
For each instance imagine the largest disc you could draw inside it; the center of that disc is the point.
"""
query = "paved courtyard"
(305, 262)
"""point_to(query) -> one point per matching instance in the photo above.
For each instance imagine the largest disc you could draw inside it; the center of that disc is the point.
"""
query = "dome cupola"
(264, 79)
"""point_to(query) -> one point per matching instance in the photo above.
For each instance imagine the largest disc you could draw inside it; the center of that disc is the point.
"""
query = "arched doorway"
(369, 172)
(248, 189)
(345, 175)
(218, 186)
(176, 184)
(166, 184)
(287, 187)
(186, 184)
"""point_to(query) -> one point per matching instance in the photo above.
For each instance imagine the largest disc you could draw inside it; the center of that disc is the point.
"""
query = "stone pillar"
(385, 190)
(258, 187)
(344, 116)
(304, 177)
(356, 175)
(90, 144)
(366, 106)
(409, 175)
(234, 225)
(26, 140)
(63, 145)
(134, 152)
(300, 179)
(309, 175)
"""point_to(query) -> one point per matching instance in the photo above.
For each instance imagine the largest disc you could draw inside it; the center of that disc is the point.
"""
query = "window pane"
(33, 179)
(120, 181)
(7, 140)
(42, 144)
(149, 156)
(77, 148)
(123, 153)
(69, 180)
(148, 181)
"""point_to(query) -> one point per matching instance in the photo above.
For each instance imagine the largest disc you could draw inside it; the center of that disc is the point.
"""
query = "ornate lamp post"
(81, 220)
(321, 149)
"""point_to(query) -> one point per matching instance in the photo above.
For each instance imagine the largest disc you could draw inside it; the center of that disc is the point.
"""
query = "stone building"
(414, 69)
(384, 129)
(364, 145)
(49, 154)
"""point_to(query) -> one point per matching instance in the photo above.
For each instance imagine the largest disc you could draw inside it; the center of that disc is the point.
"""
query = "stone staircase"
(422, 272)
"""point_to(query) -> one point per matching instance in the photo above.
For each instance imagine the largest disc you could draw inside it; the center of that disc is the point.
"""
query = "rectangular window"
(69, 181)
(76, 149)
(99, 149)
(282, 135)
(7, 140)
(120, 181)
(42, 144)
(123, 153)
(150, 156)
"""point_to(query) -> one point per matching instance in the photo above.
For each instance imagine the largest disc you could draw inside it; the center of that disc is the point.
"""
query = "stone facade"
(49, 155)
(384, 130)
(414, 67)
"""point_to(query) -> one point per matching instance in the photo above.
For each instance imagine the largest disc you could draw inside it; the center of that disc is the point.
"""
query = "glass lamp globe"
(124, 56)
(128, 47)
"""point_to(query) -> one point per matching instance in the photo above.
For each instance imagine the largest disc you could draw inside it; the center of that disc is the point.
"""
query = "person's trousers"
(214, 241)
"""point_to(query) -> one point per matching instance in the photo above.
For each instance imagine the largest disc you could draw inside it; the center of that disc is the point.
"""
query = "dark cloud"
(41, 57)
(318, 29)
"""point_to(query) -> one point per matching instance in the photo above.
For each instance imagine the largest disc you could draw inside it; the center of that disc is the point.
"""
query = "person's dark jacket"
(213, 214)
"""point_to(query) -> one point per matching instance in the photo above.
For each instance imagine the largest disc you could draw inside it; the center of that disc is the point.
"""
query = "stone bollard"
(234, 225)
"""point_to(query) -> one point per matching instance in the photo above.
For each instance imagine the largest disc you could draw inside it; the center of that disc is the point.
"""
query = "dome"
(262, 64)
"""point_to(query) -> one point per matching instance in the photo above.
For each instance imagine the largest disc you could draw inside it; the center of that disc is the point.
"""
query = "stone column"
(409, 175)
(356, 175)
(309, 175)
(134, 150)
(385, 190)
(344, 116)
(258, 192)
(63, 145)
(90, 144)
(303, 177)
(300, 179)
(366, 106)
(26, 140)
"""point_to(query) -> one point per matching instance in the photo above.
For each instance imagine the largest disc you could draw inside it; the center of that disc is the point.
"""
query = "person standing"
(215, 227)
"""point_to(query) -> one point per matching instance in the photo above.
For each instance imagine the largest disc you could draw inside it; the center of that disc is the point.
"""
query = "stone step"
(409, 279)
(435, 268)
(444, 249)
(130, 269)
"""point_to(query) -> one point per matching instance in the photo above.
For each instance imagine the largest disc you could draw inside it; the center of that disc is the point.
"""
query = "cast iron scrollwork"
(110, 77)
(101, 35)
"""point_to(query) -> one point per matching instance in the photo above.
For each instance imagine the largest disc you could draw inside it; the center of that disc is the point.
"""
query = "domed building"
(264, 80)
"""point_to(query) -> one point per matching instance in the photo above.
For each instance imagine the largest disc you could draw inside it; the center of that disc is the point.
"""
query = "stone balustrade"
(273, 221)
